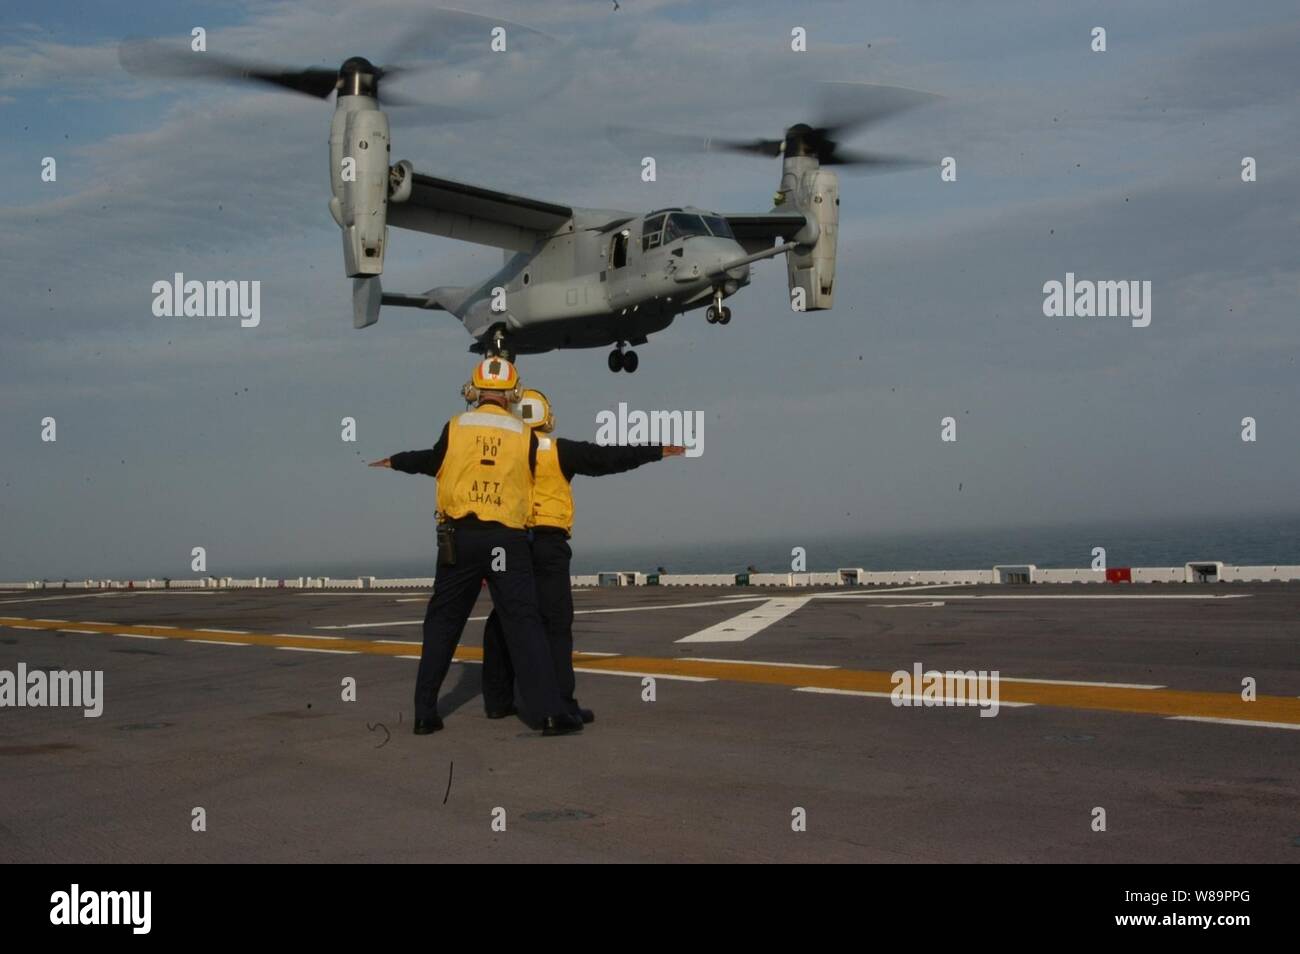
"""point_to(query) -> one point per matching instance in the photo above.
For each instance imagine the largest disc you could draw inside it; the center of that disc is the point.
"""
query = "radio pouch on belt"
(446, 545)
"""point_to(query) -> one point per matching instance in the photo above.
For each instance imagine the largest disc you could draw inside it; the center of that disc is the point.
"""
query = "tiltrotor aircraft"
(573, 277)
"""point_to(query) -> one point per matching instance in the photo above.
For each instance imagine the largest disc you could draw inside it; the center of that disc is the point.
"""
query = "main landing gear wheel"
(620, 360)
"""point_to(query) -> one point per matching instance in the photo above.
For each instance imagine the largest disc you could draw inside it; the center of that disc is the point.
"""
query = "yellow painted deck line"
(1283, 710)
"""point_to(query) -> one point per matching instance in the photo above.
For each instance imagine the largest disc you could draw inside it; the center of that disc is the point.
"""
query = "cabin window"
(618, 250)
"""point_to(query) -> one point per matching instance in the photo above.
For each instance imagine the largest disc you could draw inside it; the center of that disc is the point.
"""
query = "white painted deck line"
(742, 627)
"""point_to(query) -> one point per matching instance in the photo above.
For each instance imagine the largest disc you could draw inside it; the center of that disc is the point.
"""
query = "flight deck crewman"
(551, 522)
(484, 462)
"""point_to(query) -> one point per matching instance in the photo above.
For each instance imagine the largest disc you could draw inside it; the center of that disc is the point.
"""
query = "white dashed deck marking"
(310, 649)
(586, 612)
(1076, 682)
(739, 628)
(1040, 596)
(643, 675)
(941, 702)
(751, 662)
(1249, 722)
(48, 599)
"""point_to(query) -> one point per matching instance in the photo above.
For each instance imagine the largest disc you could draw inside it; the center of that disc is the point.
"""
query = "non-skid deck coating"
(1126, 698)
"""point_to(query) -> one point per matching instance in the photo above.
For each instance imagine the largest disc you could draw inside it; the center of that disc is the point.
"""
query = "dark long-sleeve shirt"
(596, 460)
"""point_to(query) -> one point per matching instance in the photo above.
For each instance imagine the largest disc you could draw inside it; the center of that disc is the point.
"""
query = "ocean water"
(1247, 541)
(1252, 542)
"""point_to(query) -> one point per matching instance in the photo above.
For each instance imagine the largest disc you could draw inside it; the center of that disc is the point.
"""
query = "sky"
(174, 433)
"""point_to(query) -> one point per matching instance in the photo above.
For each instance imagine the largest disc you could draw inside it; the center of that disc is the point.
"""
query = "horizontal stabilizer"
(452, 298)
(444, 298)
(409, 301)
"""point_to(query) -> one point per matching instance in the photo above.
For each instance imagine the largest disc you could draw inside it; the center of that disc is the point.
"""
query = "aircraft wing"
(759, 230)
(470, 213)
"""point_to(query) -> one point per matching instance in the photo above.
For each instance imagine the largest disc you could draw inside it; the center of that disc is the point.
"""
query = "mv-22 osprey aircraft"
(573, 277)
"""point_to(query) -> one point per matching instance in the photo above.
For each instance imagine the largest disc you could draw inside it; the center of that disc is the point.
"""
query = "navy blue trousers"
(514, 601)
(551, 558)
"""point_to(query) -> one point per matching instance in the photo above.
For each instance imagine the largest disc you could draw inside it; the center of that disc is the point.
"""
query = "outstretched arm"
(418, 462)
(597, 460)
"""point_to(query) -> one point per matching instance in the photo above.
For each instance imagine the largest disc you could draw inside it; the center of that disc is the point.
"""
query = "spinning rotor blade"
(754, 147)
(844, 109)
(874, 161)
(847, 107)
(141, 57)
(443, 32)
(464, 48)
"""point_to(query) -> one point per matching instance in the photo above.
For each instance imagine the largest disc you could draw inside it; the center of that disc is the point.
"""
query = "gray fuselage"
(594, 283)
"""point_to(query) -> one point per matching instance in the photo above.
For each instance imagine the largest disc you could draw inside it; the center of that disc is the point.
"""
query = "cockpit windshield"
(661, 228)
(718, 226)
(682, 224)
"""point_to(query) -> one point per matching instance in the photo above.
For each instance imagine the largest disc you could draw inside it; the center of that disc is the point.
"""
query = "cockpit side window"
(683, 224)
(718, 226)
(651, 231)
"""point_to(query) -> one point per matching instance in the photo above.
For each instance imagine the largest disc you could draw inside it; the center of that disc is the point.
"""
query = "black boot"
(427, 726)
(561, 724)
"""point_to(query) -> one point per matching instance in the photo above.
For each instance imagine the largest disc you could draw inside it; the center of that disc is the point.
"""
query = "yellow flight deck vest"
(552, 494)
(485, 471)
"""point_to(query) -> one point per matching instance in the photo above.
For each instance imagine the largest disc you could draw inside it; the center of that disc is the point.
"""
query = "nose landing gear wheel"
(630, 361)
(616, 361)
(711, 315)
(725, 317)
(499, 348)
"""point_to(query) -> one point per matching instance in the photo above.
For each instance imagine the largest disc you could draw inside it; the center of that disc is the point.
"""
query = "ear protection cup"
(472, 394)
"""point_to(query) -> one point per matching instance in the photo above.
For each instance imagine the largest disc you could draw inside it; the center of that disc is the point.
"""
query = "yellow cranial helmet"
(535, 410)
(493, 373)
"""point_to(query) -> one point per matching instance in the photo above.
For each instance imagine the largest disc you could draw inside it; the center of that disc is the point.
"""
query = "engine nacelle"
(814, 191)
(359, 150)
